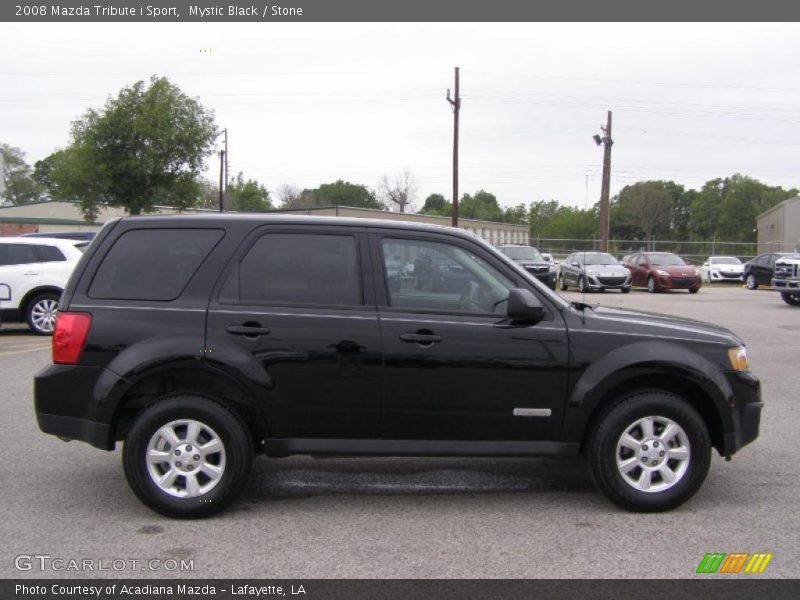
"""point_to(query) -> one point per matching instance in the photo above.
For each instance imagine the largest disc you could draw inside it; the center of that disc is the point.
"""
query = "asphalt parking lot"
(408, 518)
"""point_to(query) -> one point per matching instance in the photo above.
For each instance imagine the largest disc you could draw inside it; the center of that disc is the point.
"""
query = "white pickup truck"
(787, 279)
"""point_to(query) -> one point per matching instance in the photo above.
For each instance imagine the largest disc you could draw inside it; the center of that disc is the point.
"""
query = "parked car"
(83, 236)
(660, 271)
(589, 271)
(787, 279)
(722, 268)
(761, 269)
(533, 262)
(33, 273)
(201, 340)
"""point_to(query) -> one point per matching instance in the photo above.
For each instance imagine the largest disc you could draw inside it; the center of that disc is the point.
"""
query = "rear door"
(455, 369)
(293, 309)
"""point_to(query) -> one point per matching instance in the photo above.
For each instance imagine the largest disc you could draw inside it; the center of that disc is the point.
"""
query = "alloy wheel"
(653, 454)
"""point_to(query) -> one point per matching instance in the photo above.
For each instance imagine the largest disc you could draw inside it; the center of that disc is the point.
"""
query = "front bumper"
(546, 277)
(786, 285)
(746, 404)
(599, 282)
(664, 282)
(725, 276)
(65, 407)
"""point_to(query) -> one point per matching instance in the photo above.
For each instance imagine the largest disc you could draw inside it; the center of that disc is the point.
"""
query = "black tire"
(562, 283)
(582, 285)
(694, 290)
(791, 299)
(602, 451)
(235, 440)
(751, 282)
(625, 290)
(38, 310)
(651, 285)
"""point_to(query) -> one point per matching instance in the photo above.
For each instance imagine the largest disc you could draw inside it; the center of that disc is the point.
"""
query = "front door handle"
(248, 330)
(423, 339)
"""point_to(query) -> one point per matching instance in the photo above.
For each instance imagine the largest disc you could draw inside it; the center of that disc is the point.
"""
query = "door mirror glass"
(523, 305)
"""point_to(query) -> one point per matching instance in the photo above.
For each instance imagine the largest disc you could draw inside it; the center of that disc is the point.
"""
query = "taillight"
(70, 335)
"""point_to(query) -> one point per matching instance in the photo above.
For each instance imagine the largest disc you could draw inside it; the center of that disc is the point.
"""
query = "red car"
(659, 271)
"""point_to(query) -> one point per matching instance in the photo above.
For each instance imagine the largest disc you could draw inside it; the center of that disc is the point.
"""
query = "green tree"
(19, 186)
(436, 204)
(249, 195)
(518, 215)
(649, 205)
(480, 205)
(344, 193)
(145, 147)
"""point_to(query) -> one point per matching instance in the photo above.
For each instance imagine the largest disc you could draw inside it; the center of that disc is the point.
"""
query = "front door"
(294, 313)
(455, 368)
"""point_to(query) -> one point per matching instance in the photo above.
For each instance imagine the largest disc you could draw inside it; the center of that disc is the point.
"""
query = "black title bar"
(398, 10)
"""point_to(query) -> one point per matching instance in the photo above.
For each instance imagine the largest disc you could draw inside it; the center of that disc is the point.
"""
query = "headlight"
(738, 358)
(662, 272)
(552, 268)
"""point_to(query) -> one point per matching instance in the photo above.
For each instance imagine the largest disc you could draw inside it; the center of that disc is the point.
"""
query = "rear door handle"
(425, 339)
(250, 330)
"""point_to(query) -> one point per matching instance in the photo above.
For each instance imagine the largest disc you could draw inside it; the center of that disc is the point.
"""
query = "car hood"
(676, 271)
(727, 267)
(613, 269)
(645, 323)
(532, 263)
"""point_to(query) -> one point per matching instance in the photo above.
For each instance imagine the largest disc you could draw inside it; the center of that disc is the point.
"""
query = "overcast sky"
(309, 103)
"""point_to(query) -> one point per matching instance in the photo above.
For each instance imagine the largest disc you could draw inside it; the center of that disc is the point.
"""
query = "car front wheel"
(751, 282)
(187, 457)
(651, 285)
(562, 283)
(650, 453)
(791, 299)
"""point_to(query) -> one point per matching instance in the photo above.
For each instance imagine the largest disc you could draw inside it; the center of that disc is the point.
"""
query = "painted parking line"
(26, 351)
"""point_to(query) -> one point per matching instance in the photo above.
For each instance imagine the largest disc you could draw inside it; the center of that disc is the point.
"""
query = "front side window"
(431, 276)
(297, 268)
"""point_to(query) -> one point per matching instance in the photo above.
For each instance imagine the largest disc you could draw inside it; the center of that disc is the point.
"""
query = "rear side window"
(18, 254)
(152, 264)
(50, 254)
(297, 268)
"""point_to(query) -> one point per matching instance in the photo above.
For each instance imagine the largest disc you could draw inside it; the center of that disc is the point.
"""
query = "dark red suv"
(660, 271)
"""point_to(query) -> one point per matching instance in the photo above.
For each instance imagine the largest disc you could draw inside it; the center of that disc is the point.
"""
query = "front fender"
(643, 359)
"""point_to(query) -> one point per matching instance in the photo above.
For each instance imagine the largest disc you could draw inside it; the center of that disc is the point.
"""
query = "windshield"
(666, 260)
(522, 253)
(725, 260)
(598, 258)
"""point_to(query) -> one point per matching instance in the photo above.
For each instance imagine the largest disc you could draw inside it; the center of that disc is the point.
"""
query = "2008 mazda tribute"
(201, 341)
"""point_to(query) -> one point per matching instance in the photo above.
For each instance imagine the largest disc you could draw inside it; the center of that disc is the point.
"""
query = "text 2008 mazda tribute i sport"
(203, 340)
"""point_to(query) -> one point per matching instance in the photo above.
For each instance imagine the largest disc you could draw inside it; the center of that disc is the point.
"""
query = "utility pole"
(606, 142)
(456, 104)
(227, 157)
(221, 181)
(223, 173)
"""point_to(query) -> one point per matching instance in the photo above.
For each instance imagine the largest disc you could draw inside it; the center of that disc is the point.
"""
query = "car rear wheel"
(187, 457)
(651, 285)
(562, 283)
(751, 282)
(41, 313)
(791, 299)
(650, 453)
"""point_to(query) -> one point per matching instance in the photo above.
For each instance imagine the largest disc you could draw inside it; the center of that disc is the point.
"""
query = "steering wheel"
(469, 297)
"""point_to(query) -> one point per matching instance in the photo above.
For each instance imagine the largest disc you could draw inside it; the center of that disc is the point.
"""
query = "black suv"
(200, 341)
(533, 262)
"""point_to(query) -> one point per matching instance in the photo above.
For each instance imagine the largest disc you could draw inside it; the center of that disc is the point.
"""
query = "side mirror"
(523, 305)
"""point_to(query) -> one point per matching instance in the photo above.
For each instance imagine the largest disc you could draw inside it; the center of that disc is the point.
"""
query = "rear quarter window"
(152, 264)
